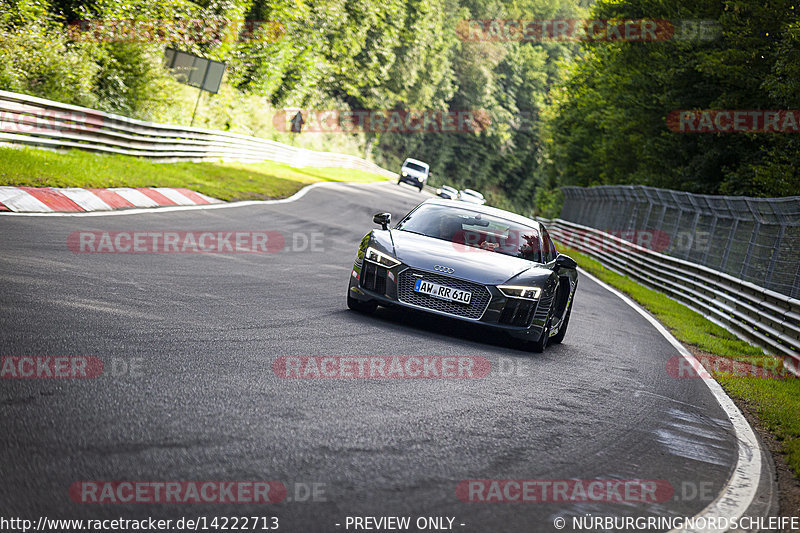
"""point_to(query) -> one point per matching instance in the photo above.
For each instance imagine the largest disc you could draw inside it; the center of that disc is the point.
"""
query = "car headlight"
(405, 174)
(381, 258)
(521, 291)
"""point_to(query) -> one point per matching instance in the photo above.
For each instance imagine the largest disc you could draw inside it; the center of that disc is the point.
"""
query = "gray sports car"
(470, 262)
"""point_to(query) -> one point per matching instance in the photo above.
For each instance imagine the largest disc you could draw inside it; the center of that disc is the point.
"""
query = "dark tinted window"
(470, 229)
(414, 166)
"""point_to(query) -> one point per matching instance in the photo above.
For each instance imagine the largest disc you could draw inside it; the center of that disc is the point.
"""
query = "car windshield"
(473, 229)
(414, 166)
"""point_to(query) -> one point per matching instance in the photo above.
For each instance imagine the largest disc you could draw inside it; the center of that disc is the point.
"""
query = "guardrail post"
(646, 218)
(674, 235)
(758, 220)
(750, 245)
(704, 260)
(727, 251)
(774, 257)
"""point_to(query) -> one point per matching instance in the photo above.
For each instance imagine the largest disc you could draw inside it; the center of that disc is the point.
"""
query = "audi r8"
(470, 262)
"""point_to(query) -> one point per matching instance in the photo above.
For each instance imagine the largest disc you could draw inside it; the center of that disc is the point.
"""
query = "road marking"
(740, 491)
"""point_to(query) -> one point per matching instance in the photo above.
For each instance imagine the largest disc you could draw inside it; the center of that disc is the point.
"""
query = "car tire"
(359, 306)
(421, 187)
(558, 337)
(399, 181)
(538, 346)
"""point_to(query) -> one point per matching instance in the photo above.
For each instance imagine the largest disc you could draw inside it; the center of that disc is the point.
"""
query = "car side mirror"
(564, 261)
(384, 219)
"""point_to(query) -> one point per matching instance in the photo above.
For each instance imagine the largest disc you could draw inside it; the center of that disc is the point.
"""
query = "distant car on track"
(414, 172)
(447, 192)
(473, 263)
(470, 196)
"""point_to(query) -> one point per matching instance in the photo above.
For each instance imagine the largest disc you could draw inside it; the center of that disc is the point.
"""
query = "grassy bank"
(775, 401)
(226, 181)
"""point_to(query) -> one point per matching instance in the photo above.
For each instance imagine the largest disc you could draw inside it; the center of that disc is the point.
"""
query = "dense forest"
(577, 111)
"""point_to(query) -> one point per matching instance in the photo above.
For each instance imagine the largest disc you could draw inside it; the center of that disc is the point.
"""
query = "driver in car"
(451, 229)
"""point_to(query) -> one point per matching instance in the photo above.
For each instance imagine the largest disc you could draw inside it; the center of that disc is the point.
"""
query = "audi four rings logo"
(446, 270)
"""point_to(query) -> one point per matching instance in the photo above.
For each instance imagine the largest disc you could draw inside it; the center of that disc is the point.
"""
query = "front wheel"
(420, 188)
(558, 337)
(538, 346)
(359, 306)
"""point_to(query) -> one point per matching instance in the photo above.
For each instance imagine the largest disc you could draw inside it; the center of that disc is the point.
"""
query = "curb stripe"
(87, 200)
(18, 200)
(135, 197)
(53, 199)
(196, 197)
(156, 196)
(112, 198)
(174, 195)
(23, 200)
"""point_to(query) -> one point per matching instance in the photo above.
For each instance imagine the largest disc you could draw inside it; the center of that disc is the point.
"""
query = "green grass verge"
(776, 402)
(226, 181)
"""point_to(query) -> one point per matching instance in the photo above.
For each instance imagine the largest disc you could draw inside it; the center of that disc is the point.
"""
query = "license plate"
(442, 292)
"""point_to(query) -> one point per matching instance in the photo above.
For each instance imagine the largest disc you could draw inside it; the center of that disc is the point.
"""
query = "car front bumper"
(393, 287)
(412, 180)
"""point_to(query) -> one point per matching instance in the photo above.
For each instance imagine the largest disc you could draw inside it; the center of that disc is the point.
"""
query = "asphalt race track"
(188, 392)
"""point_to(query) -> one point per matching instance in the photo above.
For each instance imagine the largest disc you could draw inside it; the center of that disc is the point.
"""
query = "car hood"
(474, 264)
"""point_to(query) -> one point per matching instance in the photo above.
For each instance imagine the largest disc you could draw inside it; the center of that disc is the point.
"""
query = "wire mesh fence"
(754, 239)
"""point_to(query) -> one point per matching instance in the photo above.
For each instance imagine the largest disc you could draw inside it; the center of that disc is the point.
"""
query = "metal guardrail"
(28, 120)
(754, 239)
(760, 316)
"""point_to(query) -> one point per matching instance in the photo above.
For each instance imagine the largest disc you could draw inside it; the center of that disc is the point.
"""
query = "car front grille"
(475, 309)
